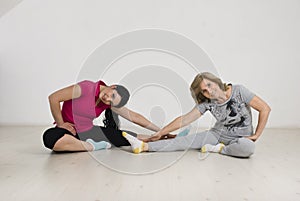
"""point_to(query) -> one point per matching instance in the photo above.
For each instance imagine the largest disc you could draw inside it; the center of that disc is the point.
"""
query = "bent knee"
(248, 147)
(63, 142)
(52, 135)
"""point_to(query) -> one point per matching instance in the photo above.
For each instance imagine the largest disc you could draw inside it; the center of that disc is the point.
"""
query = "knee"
(53, 135)
(63, 142)
(248, 147)
(48, 138)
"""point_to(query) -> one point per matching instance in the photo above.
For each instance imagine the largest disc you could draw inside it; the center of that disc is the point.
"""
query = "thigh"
(114, 136)
(202, 138)
(52, 135)
(96, 134)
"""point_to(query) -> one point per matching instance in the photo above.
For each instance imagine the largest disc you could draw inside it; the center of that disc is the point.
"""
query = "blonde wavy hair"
(196, 91)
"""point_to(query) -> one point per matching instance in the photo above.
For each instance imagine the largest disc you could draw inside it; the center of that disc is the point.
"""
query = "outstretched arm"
(61, 95)
(135, 118)
(264, 110)
(177, 123)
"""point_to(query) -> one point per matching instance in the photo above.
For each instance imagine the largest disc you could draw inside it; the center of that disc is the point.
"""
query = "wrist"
(158, 133)
(59, 123)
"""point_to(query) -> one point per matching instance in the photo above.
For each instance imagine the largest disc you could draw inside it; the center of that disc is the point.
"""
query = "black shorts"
(97, 133)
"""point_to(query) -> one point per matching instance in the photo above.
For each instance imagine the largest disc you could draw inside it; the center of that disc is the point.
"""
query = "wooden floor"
(30, 172)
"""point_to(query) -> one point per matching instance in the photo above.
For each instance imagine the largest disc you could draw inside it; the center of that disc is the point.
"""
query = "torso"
(83, 110)
(233, 115)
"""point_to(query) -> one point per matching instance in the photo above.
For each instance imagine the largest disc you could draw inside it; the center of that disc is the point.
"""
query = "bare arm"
(177, 123)
(264, 110)
(61, 95)
(135, 118)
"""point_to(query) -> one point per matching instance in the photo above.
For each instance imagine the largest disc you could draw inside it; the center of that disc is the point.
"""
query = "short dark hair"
(124, 93)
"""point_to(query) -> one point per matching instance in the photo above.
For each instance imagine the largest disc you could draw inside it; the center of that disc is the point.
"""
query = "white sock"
(212, 148)
(136, 144)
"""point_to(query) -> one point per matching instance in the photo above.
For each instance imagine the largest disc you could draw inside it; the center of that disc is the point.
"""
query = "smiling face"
(110, 96)
(206, 86)
(210, 89)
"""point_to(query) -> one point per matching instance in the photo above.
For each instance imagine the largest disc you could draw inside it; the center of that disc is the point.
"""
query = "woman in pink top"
(82, 103)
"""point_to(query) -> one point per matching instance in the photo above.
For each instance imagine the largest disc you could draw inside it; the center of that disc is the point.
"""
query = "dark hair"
(111, 118)
(124, 93)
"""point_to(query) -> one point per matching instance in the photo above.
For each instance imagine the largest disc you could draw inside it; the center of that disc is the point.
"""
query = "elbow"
(268, 109)
(52, 98)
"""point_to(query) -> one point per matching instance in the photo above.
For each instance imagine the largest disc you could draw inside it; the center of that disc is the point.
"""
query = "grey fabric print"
(234, 117)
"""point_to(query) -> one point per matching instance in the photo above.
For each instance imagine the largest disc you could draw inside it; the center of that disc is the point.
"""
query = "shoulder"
(87, 86)
(244, 92)
(100, 82)
(203, 107)
(87, 83)
(238, 88)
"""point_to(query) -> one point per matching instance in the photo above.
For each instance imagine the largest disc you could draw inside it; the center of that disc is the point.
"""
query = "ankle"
(88, 146)
(145, 147)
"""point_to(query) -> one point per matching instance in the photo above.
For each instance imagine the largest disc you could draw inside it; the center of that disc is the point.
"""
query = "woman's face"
(110, 96)
(210, 89)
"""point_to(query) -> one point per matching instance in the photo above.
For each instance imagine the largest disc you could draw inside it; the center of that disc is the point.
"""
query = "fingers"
(72, 130)
(253, 138)
(151, 139)
(159, 137)
(171, 136)
(145, 140)
(68, 126)
(154, 138)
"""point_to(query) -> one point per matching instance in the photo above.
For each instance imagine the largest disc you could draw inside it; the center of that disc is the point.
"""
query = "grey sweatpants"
(238, 147)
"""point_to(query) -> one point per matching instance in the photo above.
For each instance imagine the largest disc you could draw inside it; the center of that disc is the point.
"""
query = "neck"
(224, 96)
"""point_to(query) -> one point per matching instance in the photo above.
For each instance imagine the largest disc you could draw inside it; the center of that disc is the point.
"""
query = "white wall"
(44, 43)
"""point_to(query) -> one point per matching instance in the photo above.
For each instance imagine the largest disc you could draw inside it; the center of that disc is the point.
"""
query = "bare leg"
(69, 143)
